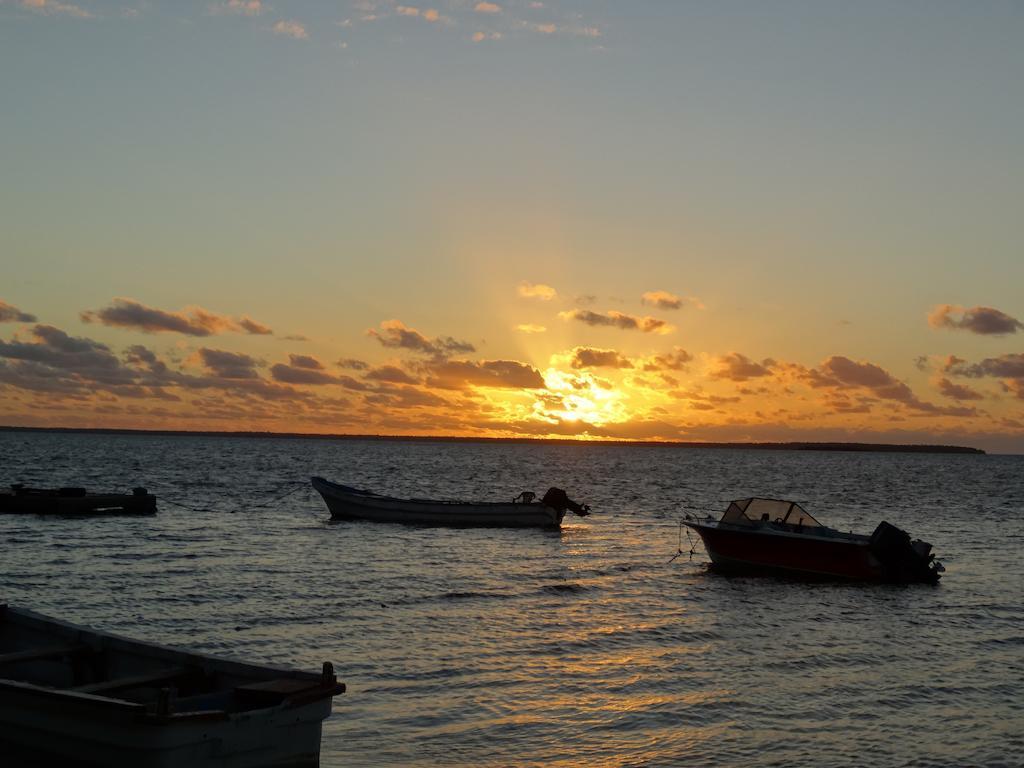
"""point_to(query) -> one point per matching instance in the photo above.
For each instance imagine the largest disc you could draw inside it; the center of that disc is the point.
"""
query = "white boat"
(84, 697)
(347, 503)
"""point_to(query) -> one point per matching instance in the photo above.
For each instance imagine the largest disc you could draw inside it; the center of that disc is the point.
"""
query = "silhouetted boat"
(93, 698)
(75, 501)
(775, 535)
(523, 512)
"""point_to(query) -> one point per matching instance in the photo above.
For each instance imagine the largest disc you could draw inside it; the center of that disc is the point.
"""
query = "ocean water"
(580, 647)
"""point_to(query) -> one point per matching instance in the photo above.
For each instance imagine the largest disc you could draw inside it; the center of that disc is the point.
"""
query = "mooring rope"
(679, 548)
(165, 500)
(295, 486)
(298, 486)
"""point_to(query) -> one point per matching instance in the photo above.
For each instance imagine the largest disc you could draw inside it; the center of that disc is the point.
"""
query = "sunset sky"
(649, 220)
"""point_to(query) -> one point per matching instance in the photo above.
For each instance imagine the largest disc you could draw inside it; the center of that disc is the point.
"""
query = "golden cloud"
(620, 320)
(191, 321)
(535, 290)
(984, 321)
(662, 300)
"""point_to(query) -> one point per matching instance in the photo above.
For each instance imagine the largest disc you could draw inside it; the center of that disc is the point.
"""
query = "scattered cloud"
(54, 8)
(591, 357)
(53, 347)
(855, 374)
(241, 7)
(11, 314)
(702, 401)
(191, 321)
(841, 372)
(295, 337)
(958, 392)
(293, 29)
(395, 334)
(618, 320)
(140, 355)
(1015, 387)
(392, 374)
(662, 300)
(675, 360)
(842, 403)
(984, 321)
(300, 371)
(530, 328)
(737, 367)
(228, 365)
(405, 397)
(1009, 366)
(51, 364)
(485, 20)
(305, 361)
(504, 374)
(537, 290)
(354, 384)
(352, 364)
(250, 326)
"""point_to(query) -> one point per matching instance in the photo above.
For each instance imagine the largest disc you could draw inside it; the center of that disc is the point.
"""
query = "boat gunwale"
(110, 642)
(857, 539)
(68, 695)
(360, 496)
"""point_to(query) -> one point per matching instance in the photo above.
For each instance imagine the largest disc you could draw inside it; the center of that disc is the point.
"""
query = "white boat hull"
(350, 504)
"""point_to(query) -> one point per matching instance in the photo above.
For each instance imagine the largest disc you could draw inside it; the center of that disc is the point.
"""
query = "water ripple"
(580, 647)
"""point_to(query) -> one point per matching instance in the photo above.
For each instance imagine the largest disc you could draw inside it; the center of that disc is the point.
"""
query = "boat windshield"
(751, 511)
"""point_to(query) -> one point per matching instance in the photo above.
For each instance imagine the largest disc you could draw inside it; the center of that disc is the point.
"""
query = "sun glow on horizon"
(579, 396)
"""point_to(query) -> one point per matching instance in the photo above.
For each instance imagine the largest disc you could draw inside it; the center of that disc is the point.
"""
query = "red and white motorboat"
(775, 535)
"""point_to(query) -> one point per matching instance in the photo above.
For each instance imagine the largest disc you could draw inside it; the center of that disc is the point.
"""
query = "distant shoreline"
(793, 446)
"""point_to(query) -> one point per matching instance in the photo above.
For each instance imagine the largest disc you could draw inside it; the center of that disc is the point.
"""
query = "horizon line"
(799, 445)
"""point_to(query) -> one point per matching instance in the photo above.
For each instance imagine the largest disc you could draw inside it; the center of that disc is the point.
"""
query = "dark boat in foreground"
(347, 503)
(96, 699)
(774, 535)
(75, 501)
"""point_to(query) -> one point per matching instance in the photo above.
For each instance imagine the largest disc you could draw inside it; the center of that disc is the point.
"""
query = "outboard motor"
(556, 498)
(902, 559)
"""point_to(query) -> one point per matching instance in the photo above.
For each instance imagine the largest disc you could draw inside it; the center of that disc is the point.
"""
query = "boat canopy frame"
(755, 510)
